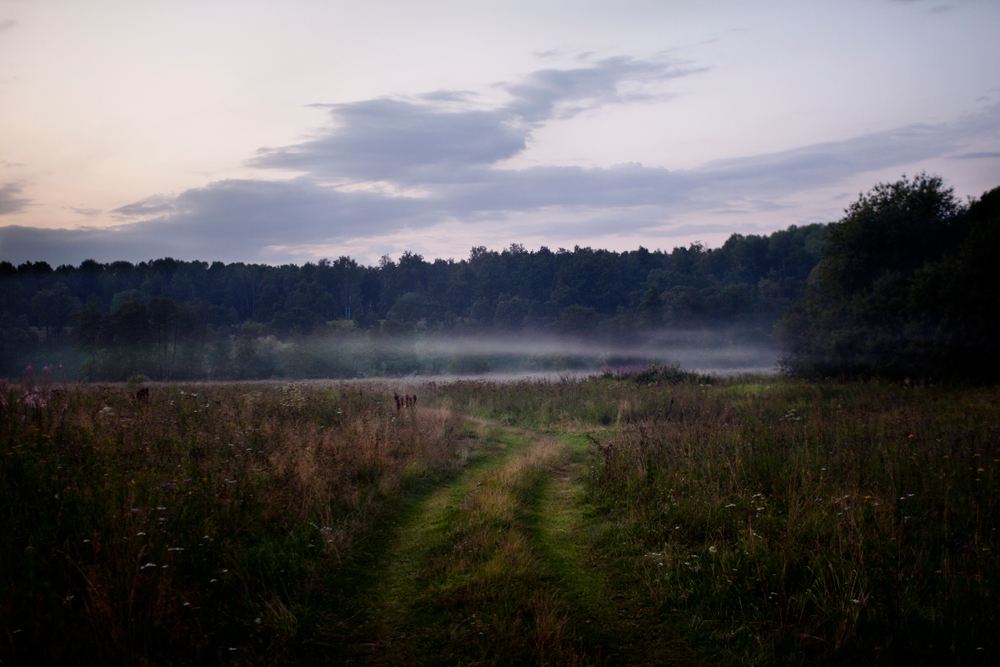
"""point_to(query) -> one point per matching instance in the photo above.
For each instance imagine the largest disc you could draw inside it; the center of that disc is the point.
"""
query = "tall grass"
(610, 400)
(782, 522)
(202, 523)
(767, 521)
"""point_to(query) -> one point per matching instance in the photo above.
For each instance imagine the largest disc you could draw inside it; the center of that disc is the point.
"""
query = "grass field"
(653, 518)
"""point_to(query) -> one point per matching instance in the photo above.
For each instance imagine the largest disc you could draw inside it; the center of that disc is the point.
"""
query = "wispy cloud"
(431, 142)
(88, 212)
(151, 206)
(9, 200)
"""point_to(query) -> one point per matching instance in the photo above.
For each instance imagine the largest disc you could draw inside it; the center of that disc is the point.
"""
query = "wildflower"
(712, 550)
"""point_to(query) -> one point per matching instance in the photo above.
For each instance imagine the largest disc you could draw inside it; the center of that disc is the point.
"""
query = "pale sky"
(289, 131)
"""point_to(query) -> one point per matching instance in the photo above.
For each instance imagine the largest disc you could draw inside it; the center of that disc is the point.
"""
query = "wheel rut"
(497, 567)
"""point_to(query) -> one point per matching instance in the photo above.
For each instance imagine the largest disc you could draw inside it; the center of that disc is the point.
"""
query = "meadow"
(646, 516)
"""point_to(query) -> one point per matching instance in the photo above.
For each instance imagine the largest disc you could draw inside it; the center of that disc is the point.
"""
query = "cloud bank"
(387, 165)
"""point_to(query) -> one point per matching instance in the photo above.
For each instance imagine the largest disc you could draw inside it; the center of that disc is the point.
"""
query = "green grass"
(205, 523)
(606, 521)
(784, 522)
(485, 591)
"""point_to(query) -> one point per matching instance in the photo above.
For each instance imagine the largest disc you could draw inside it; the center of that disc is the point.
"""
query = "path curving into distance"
(497, 567)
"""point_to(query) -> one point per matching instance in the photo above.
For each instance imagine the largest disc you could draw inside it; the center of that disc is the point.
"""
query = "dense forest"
(907, 287)
(172, 319)
(904, 286)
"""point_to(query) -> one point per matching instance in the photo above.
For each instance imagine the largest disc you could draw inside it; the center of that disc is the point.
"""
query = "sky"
(285, 132)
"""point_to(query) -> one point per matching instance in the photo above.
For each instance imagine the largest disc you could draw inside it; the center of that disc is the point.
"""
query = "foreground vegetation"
(793, 522)
(638, 518)
(197, 522)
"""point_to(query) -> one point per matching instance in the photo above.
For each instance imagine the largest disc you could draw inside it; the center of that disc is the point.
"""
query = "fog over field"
(705, 351)
(517, 355)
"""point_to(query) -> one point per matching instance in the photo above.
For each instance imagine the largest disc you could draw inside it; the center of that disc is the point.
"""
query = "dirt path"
(497, 567)
(615, 623)
(391, 632)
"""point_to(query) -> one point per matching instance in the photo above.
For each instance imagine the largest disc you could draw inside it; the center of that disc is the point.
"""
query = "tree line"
(902, 286)
(168, 307)
(907, 287)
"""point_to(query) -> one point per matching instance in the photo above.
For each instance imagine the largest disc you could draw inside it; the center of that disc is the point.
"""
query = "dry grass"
(199, 520)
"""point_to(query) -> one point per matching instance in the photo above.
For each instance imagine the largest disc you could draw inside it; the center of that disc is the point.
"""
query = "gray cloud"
(151, 206)
(443, 146)
(424, 143)
(61, 246)
(552, 93)
(391, 139)
(7, 24)
(9, 201)
(974, 156)
(227, 220)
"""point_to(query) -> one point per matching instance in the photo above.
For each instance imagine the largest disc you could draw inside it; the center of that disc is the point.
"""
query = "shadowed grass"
(758, 520)
(200, 524)
(791, 522)
(480, 593)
